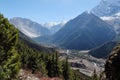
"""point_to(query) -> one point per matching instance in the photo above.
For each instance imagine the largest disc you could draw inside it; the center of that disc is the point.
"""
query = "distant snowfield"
(50, 25)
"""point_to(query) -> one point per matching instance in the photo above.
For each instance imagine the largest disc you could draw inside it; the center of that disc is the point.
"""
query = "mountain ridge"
(83, 28)
(106, 8)
(29, 28)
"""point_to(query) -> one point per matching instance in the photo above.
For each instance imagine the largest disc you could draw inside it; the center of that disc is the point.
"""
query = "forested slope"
(18, 52)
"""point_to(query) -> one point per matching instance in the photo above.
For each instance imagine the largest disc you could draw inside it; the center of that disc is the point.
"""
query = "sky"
(43, 11)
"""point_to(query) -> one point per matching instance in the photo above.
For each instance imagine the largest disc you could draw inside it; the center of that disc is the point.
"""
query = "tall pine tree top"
(9, 57)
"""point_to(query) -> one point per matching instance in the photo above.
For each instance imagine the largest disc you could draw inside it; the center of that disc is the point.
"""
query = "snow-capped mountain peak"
(107, 8)
(54, 26)
(49, 25)
(109, 11)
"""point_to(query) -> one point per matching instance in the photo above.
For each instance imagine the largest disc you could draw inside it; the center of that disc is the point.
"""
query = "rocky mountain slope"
(104, 50)
(29, 28)
(113, 20)
(33, 29)
(112, 66)
(109, 11)
(106, 8)
(84, 32)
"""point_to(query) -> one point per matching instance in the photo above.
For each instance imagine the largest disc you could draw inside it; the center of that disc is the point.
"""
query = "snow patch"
(107, 18)
(113, 17)
(118, 14)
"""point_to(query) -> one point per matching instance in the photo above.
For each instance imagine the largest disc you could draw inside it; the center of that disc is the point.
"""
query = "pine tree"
(95, 76)
(9, 57)
(49, 68)
(66, 70)
(56, 65)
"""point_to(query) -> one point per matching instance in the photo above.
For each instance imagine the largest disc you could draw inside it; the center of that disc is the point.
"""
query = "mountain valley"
(86, 47)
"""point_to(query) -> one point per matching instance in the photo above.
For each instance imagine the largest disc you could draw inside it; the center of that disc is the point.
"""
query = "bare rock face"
(112, 66)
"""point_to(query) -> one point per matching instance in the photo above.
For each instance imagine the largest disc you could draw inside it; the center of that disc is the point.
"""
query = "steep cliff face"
(112, 66)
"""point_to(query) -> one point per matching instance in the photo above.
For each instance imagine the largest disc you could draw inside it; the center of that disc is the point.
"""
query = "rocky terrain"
(27, 75)
(112, 66)
(82, 61)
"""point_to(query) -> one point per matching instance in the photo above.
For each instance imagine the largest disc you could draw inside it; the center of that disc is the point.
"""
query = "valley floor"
(82, 61)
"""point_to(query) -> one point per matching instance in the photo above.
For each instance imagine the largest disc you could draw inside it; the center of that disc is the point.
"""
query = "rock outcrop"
(112, 66)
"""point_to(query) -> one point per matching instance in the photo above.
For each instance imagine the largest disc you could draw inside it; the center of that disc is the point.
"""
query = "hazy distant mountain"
(86, 31)
(107, 8)
(29, 28)
(54, 26)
